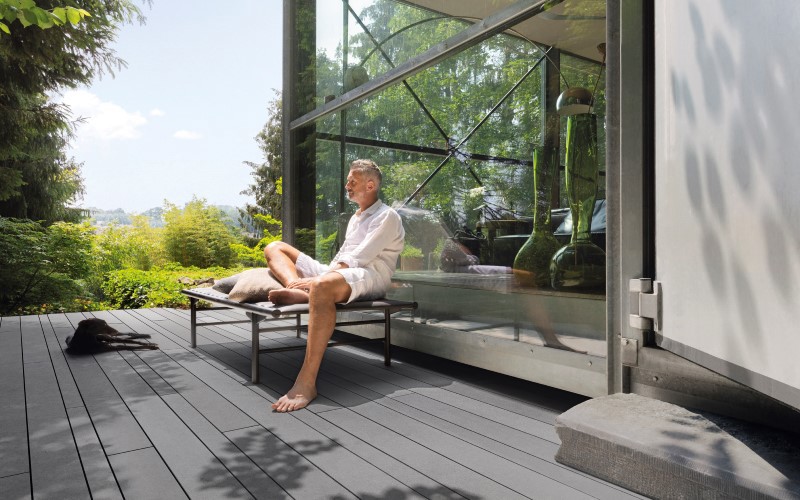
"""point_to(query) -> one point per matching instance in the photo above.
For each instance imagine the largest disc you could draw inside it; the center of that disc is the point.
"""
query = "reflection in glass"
(532, 264)
(477, 217)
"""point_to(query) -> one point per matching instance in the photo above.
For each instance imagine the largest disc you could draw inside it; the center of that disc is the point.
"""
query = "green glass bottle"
(532, 263)
(580, 264)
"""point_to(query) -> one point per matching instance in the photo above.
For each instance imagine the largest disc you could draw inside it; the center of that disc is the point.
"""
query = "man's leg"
(282, 260)
(325, 292)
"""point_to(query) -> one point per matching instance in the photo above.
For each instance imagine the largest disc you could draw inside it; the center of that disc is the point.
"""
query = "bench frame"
(266, 311)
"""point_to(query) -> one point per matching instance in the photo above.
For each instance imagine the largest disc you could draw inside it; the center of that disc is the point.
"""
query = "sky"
(181, 119)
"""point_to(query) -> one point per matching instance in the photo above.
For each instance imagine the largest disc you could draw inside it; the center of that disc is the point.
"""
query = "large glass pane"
(456, 144)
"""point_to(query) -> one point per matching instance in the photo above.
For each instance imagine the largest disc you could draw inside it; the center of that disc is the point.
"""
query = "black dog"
(95, 335)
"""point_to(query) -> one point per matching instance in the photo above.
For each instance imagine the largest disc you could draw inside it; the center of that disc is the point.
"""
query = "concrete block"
(665, 451)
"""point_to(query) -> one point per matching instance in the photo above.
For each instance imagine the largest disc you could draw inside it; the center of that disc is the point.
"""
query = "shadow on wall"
(734, 92)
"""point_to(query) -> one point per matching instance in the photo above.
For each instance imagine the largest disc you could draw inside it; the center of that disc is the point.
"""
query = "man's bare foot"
(297, 398)
(286, 296)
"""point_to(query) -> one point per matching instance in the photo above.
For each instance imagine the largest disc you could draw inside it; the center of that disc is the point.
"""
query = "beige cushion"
(225, 285)
(253, 285)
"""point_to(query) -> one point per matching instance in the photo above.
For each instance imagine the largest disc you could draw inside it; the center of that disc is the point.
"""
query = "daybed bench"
(260, 311)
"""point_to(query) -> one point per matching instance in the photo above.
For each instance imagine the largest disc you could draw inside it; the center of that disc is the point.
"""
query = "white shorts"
(365, 283)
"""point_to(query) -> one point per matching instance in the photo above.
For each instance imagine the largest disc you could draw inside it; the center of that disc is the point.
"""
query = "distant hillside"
(101, 218)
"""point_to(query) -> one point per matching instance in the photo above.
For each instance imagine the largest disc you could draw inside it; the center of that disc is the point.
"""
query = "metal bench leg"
(298, 326)
(387, 338)
(193, 316)
(254, 366)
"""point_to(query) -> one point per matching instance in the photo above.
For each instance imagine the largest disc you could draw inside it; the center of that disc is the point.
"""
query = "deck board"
(142, 474)
(55, 463)
(54, 460)
(185, 455)
(55, 337)
(246, 471)
(16, 487)
(13, 420)
(181, 422)
(96, 466)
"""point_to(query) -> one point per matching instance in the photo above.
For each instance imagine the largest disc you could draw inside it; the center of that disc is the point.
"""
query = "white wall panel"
(728, 187)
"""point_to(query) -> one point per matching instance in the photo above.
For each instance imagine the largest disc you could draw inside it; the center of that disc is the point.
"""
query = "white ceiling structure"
(575, 26)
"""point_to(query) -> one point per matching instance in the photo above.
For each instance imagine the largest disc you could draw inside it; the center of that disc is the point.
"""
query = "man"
(362, 270)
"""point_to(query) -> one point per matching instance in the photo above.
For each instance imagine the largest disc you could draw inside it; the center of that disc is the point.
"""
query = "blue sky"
(182, 117)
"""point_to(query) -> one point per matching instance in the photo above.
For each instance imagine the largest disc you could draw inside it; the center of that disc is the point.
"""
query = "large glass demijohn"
(532, 263)
(580, 264)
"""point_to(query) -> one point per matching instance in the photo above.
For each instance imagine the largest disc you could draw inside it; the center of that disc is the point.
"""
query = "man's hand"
(301, 283)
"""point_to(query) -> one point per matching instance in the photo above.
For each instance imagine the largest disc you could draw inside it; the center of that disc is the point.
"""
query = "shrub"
(305, 241)
(42, 268)
(158, 287)
(411, 251)
(129, 247)
(254, 257)
(197, 235)
(326, 247)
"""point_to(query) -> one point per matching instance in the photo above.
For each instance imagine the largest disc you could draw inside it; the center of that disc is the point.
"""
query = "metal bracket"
(630, 351)
(644, 296)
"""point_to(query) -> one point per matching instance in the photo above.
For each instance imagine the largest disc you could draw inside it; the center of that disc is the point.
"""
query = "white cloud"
(186, 134)
(156, 112)
(103, 120)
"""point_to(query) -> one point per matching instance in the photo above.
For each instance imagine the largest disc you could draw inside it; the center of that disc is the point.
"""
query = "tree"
(38, 180)
(197, 235)
(267, 176)
(27, 13)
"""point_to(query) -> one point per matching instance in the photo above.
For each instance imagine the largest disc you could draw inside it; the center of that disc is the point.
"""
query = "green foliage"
(267, 181)
(305, 241)
(159, 287)
(137, 247)
(29, 14)
(326, 245)
(268, 223)
(249, 257)
(38, 180)
(42, 265)
(127, 247)
(411, 251)
(197, 235)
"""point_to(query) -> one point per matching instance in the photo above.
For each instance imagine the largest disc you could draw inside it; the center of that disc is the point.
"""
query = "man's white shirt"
(374, 240)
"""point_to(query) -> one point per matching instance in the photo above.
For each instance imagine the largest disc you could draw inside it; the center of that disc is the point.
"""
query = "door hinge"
(645, 304)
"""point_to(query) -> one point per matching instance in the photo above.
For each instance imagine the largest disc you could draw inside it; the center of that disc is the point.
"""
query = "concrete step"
(665, 451)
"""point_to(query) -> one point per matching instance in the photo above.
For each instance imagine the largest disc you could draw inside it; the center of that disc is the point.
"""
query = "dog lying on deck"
(95, 335)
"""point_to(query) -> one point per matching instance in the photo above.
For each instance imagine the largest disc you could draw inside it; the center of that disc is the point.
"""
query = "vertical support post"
(343, 115)
(193, 321)
(387, 337)
(629, 172)
(299, 87)
(254, 366)
(299, 323)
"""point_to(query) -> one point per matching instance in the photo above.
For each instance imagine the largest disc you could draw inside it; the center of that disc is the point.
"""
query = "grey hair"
(367, 168)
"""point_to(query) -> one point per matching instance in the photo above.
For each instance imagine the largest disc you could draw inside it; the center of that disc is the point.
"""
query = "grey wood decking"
(180, 422)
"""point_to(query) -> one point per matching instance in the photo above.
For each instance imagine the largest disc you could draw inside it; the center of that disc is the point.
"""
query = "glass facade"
(455, 140)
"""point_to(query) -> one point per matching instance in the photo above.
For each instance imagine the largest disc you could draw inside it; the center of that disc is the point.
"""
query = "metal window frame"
(471, 36)
(630, 172)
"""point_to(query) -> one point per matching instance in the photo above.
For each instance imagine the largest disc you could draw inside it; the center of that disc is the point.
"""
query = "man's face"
(357, 187)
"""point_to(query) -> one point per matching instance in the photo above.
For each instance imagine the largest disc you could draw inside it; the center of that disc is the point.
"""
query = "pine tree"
(267, 175)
